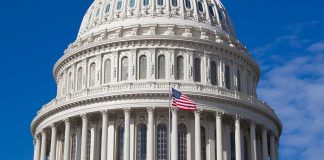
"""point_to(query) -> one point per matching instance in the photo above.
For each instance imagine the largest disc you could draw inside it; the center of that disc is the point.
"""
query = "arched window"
(179, 73)
(79, 79)
(120, 142)
(107, 70)
(161, 67)
(232, 141)
(246, 151)
(141, 142)
(213, 73)
(98, 11)
(162, 142)
(197, 69)
(119, 4)
(203, 143)
(88, 144)
(73, 147)
(188, 4)
(92, 77)
(70, 83)
(200, 6)
(107, 8)
(124, 69)
(100, 139)
(182, 142)
(227, 77)
(142, 67)
(211, 10)
(132, 3)
(248, 86)
(174, 3)
(160, 2)
(146, 2)
(238, 74)
(220, 14)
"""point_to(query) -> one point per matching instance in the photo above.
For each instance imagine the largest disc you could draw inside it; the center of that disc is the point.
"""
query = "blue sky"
(286, 37)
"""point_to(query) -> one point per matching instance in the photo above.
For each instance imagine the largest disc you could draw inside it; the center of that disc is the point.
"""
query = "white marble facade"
(113, 87)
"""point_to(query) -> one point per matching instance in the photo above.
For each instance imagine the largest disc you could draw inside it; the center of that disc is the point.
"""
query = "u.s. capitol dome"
(113, 86)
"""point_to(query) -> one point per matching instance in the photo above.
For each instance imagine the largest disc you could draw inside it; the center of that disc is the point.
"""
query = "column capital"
(174, 109)
(219, 114)
(66, 121)
(104, 112)
(43, 132)
(238, 117)
(150, 109)
(53, 125)
(84, 117)
(127, 110)
(198, 111)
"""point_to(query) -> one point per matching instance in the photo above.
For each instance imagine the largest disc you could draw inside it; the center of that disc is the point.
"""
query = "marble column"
(37, 148)
(66, 155)
(84, 137)
(127, 134)
(43, 147)
(253, 141)
(238, 153)
(265, 144)
(53, 142)
(174, 135)
(219, 139)
(272, 147)
(150, 133)
(104, 134)
(197, 135)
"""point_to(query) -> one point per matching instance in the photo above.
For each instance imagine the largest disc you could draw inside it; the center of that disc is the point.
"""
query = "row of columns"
(40, 144)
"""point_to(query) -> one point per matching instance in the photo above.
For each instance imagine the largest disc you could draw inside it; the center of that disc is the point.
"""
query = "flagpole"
(169, 121)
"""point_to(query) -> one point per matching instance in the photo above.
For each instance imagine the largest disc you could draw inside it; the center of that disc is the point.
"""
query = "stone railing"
(156, 87)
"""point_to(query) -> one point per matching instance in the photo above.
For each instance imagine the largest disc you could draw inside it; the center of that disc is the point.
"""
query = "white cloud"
(296, 91)
(317, 47)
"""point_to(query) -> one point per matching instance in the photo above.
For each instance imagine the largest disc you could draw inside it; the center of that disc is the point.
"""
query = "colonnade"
(267, 150)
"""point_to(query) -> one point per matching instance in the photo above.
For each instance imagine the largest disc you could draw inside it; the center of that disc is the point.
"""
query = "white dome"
(108, 14)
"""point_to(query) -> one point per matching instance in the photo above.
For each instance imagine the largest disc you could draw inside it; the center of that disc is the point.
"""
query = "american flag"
(182, 102)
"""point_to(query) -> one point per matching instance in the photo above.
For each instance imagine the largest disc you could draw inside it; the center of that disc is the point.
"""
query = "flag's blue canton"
(176, 94)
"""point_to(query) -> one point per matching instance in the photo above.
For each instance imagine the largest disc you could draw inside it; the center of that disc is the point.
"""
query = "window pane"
(238, 80)
(160, 2)
(120, 143)
(107, 8)
(197, 70)
(180, 73)
(203, 143)
(79, 79)
(145, 2)
(188, 4)
(107, 76)
(200, 6)
(92, 74)
(211, 11)
(227, 77)
(132, 3)
(119, 5)
(88, 144)
(141, 142)
(162, 145)
(161, 67)
(174, 3)
(182, 142)
(213, 73)
(124, 69)
(142, 67)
